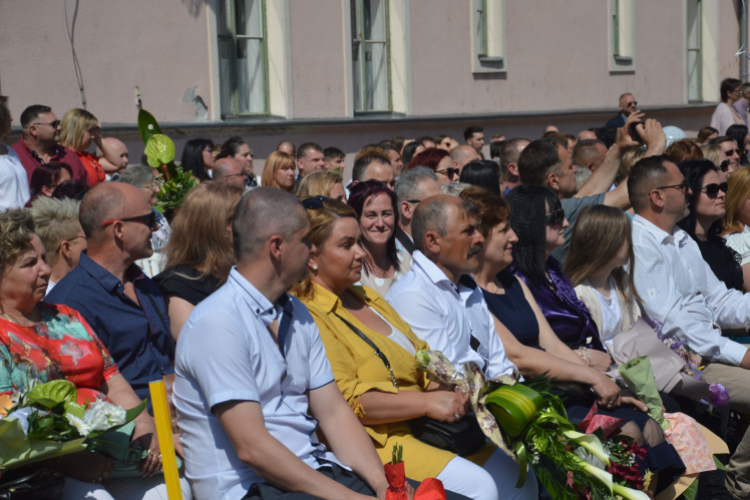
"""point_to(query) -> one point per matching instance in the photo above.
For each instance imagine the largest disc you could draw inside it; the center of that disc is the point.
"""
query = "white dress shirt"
(433, 306)
(14, 183)
(679, 290)
(226, 353)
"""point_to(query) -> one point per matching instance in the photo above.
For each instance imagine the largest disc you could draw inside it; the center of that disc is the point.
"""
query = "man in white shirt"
(676, 285)
(429, 299)
(250, 368)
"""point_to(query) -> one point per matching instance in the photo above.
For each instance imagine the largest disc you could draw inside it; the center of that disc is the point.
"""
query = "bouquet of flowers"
(49, 420)
(530, 424)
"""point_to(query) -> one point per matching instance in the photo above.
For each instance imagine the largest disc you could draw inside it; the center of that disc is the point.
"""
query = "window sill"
(623, 59)
(491, 59)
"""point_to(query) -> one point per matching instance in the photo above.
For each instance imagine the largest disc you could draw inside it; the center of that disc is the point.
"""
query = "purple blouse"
(567, 315)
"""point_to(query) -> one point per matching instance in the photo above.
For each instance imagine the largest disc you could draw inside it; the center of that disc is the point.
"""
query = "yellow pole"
(164, 432)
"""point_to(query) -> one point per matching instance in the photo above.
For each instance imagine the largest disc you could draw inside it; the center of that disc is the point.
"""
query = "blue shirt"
(226, 353)
(137, 336)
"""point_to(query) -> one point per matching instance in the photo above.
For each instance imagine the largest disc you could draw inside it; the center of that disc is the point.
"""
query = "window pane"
(376, 75)
(357, 74)
(374, 12)
(248, 14)
(223, 18)
(355, 20)
(251, 77)
(694, 56)
(694, 76)
(225, 75)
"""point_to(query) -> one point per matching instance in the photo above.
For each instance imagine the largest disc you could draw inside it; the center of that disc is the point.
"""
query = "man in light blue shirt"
(251, 367)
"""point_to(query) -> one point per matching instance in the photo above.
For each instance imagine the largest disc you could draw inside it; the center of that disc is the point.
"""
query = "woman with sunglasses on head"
(736, 222)
(707, 208)
(377, 213)
(437, 160)
(371, 351)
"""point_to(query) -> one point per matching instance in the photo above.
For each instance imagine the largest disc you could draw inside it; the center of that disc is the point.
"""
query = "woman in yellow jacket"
(384, 398)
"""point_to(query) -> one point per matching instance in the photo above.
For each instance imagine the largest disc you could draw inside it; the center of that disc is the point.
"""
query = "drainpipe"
(743, 31)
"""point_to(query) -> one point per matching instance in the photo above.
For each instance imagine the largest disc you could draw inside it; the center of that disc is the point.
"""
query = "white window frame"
(361, 47)
(621, 30)
(488, 36)
(709, 51)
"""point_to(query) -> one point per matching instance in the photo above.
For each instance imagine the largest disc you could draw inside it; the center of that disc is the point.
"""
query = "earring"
(315, 267)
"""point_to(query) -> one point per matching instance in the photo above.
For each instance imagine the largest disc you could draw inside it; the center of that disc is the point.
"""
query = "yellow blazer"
(357, 370)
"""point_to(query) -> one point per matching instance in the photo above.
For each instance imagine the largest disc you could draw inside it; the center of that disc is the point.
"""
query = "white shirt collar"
(661, 235)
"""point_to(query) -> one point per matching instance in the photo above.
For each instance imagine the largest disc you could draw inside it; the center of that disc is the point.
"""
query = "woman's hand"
(145, 436)
(608, 393)
(628, 398)
(600, 361)
(446, 406)
(84, 466)
(96, 135)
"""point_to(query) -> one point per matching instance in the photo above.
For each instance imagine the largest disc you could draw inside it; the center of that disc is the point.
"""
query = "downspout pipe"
(743, 35)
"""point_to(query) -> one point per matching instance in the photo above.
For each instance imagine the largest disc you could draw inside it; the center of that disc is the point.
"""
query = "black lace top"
(723, 261)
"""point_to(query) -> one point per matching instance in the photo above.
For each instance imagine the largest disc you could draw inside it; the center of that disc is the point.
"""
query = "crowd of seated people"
(289, 306)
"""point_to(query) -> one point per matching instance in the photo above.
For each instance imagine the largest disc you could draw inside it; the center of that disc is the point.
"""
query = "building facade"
(350, 72)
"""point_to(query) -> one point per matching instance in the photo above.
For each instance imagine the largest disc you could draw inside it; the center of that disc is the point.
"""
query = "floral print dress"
(61, 346)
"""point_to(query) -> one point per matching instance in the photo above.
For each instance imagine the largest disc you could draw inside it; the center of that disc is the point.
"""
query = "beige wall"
(556, 54)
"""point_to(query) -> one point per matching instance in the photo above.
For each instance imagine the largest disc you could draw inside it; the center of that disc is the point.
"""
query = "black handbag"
(463, 438)
(39, 484)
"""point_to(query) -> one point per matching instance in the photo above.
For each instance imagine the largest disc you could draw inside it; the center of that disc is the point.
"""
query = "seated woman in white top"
(737, 219)
(377, 211)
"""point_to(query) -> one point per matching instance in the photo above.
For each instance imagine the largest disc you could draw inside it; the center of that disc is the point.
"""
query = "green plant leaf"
(159, 150)
(51, 394)
(147, 125)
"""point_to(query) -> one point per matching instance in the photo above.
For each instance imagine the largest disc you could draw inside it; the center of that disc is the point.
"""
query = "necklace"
(384, 271)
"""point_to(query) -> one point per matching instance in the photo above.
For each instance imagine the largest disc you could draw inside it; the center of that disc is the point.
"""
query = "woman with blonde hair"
(79, 129)
(629, 159)
(736, 223)
(328, 184)
(199, 253)
(279, 172)
(385, 395)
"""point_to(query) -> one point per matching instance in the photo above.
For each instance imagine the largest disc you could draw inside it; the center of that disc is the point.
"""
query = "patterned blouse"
(60, 346)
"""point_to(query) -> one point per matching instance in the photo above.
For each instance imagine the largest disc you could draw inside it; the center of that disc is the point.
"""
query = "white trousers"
(496, 480)
(132, 488)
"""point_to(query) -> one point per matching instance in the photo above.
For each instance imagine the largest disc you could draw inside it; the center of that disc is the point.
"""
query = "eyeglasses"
(712, 190)
(315, 203)
(149, 219)
(53, 124)
(555, 218)
(632, 104)
(682, 187)
(448, 172)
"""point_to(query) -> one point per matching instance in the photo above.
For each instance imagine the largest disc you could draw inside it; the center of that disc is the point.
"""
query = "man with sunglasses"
(627, 105)
(729, 153)
(123, 306)
(39, 143)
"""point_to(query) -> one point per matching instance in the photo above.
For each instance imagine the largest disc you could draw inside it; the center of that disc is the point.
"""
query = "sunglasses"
(682, 187)
(555, 218)
(730, 152)
(448, 172)
(712, 190)
(315, 203)
(632, 104)
(149, 219)
(53, 124)
(724, 166)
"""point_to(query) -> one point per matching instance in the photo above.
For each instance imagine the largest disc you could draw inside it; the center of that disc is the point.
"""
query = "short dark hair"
(482, 173)
(706, 132)
(32, 113)
(469, 132)
(304, 148)
(331, 153)
(4, 116)
(645, 175)
(495, 149)
(408, 151)
(727, 86)
(360, 166)
(608, 135)
(536, 160)
(583, 149)
(230, 147)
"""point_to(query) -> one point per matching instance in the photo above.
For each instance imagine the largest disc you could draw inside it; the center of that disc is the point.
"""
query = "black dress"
(723, 260)
(513, 310)
(187, 283)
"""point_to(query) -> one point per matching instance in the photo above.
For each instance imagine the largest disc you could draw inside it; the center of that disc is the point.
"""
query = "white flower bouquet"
(46, 421)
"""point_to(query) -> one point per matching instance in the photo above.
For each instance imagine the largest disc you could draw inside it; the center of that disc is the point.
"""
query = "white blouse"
(740, 243)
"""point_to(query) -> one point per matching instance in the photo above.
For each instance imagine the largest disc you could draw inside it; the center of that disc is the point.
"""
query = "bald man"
(462, 155)
(288, 148)
(585, 135)
(121, 150)
(589, 154)
(230, 171)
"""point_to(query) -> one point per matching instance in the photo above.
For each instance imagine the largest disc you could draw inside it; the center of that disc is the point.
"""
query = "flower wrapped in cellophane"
(47, 421)
(530, 424)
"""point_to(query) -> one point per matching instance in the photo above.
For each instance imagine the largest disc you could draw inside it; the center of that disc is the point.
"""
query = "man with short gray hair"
(57, 225)
(243, 394)
(412, 187)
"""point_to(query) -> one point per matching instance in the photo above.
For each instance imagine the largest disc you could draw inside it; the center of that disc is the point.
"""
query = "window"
(243, 61)
(488, 35)
(694, 54)
(370, 55)
(621, 36)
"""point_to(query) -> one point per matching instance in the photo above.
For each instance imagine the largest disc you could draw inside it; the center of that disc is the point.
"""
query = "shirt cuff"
(733, 352)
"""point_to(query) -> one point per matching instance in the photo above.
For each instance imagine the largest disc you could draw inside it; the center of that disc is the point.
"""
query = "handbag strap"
(369, 342)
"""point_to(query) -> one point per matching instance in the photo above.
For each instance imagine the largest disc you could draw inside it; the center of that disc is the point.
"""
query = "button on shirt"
(137, 336)
(679, 290)
(430, 303)
(226, 353)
